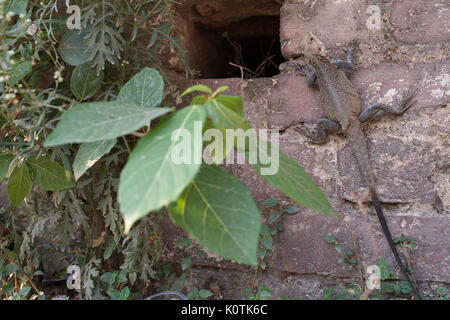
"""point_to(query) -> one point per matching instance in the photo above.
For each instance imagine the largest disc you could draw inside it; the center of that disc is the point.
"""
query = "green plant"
(262, 293)
(116, 281)
(187, 188)
(346, 255)
(273, 225)
(79, 222)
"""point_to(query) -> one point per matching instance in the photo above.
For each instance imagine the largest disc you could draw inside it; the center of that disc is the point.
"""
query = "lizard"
(341, 104)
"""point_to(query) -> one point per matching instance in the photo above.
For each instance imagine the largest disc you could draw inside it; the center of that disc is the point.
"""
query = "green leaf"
(218, 210)
(330, 239)
(341, 259)
(109, 250)
(442, 291)
(16, 6)
(349, 252)
(24, 292)
(193, 293)
(291, 209)
(124, 293)
(198, 87)
(89, 153)
(184, 243)
(225, 118)
(108, 278)
(293, 181)
(19, 184)
(273, 217)
(49, 175)
(151, 179)
(338, 247)
(267, 242)
(186, 263)
(9, 269)
(201, 254)
(233, 103)
(405, 287)
(219, 91)
(18, 72)
(96, 121)
(5, 161)
(145, 89)
(261, 253)
(270, 202)
(85, 82)
(132, 277)
(205, 293)
(413, 245)
(290, 178)
(73, 47)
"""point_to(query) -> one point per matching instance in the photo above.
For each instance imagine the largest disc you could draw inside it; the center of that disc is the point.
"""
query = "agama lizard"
(341, 104)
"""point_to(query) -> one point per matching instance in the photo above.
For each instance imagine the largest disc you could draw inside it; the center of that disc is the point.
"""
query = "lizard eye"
(312, 39)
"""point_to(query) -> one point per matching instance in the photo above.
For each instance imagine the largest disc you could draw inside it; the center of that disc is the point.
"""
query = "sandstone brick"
(421, 21)
(301, 248)
(335, 22)
(409, 156)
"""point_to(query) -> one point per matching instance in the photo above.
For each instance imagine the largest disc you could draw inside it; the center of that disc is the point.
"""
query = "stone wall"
(410, 154)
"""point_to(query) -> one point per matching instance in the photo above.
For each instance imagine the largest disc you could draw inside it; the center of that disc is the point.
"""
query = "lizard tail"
(387, 233)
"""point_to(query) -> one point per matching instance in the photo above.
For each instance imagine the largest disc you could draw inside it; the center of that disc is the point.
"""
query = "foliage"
(79, 222)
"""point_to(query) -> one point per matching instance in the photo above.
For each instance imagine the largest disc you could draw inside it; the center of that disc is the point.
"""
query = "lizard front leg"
(349, 64)
(319, 132)
(404, 105)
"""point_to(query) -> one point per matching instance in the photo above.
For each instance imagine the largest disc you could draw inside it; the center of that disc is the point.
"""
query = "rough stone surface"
(410, 156)
(410, 30)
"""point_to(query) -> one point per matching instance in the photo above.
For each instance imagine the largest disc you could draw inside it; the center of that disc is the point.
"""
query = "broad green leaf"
(89, 153)
(19, 71)
(96, 121)
(219, 91)
(218, 210)
(291, 179)
(73, 47)
(85, 82)
(233, 103)
(151, 179)
(198, 87)
(204, 293)
(224, 117)
(49, 175)
(19, 184)
(5, 161)
(145, 89)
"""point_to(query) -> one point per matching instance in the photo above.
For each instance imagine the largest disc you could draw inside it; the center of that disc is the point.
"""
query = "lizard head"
(311, 46)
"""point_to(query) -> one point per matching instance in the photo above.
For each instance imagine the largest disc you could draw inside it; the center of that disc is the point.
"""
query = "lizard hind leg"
(406, 103)
(319, 131)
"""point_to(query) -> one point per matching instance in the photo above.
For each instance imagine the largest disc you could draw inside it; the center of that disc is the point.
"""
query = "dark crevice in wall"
(252, 45)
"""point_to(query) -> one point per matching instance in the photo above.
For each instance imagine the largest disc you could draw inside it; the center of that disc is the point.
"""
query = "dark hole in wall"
(252, 45)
